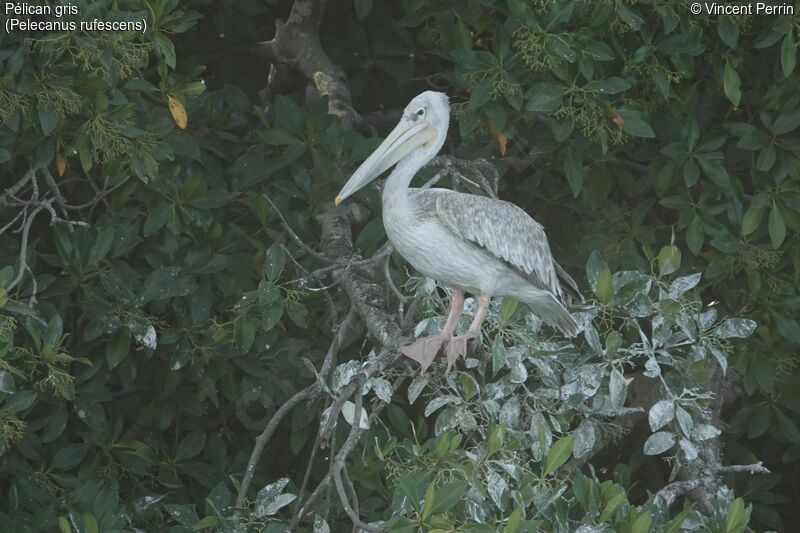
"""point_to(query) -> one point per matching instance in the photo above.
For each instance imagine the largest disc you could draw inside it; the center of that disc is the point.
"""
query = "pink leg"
(458, 344)
(424, 350)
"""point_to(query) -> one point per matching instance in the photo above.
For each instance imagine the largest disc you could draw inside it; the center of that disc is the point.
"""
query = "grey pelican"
(470, 243)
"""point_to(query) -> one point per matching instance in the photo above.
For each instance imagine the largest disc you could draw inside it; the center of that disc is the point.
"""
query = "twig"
(14, 189)
(261, 441)
(23, 249)
(756, 468)
(388, 275)
(296, 238)
(51, 182)
(339, 463)
(7, 226)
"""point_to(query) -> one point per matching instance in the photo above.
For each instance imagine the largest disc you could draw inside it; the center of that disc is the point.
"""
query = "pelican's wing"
(502, 229)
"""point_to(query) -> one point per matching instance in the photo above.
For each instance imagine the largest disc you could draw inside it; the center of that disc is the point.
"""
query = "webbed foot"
(424, 350)
(457, 346)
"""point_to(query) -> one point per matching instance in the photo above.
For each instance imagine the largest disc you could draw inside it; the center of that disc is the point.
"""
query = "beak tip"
(338, 200)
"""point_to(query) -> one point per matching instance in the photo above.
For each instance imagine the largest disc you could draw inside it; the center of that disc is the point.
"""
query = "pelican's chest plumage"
(434, 251)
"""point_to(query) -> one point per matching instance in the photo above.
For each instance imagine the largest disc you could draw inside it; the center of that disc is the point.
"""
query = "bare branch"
(14, 189)
(365, 294)
(756, 468)
(296, 238)
(675, 490)
(261, 441)
(339, 463)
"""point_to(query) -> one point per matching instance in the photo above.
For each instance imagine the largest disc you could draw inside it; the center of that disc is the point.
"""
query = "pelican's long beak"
(407, 136)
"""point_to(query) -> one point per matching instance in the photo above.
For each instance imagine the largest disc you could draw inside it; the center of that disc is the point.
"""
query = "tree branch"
(296, 45)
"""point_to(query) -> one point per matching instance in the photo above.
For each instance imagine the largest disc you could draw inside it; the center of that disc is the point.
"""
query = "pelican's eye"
(421, 112)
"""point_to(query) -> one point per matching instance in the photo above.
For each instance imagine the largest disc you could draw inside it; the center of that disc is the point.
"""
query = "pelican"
(472, 244)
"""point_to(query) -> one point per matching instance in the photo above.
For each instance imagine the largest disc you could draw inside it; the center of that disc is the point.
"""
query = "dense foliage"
(156, 310)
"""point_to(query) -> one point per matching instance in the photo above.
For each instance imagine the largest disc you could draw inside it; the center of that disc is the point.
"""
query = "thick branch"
(296, 44)
(366, 295)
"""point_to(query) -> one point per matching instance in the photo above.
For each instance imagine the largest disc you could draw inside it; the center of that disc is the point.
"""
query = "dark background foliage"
(151, 321)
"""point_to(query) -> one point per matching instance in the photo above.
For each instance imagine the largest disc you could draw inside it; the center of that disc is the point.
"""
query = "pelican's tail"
(548, 308)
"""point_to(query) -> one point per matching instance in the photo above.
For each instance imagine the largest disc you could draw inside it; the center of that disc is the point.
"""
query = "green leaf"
(514, 521)
(788, 426)
(69, 456)
(7, 382)
(605, 286)
(480, 94)
(735, 328)
(118, 347)
(101, 246)
(613, 504)
(90, 523)
(675, 524)
(629, 16)
(5, 155)
(642, 523)
(403, 524)
(613, 343)
(164, 283)
(363, 8)
(786, 122)
(191, 445)
(507, 309)
(544, 97)
(412, 488)
(669, 259)
(63, 525)
(523, 11)
(209, 522)
(48, 119)
(55, 328)
(735, 518)
(494, 442)
(728, 31)
(165, 48)
(275, 261)
(760, 421)
(715, 170)
(752, 219)
(612, 85)
(788, 54)
(695, 235)
(499, 356)
(788, 327)
(658, 443)
(20, 401)
(731, 84)
(574, 171)
(244, 333)
(691, 172)
(634, 124)
(766, 158)
(271, 499)
(594, 266)
(558, 45)
(444, 498)
(559, 453)
(777, 227)
(156, 218)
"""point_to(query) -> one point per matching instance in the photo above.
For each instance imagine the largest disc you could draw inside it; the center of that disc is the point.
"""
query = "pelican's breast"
(434, 251)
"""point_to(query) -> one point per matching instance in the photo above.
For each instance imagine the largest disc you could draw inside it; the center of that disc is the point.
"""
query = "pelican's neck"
(395, 191)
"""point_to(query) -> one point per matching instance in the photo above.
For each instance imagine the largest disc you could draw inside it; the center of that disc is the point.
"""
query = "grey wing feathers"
(506, 231)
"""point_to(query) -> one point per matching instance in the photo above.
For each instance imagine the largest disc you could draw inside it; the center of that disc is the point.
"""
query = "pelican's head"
(420, 134)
